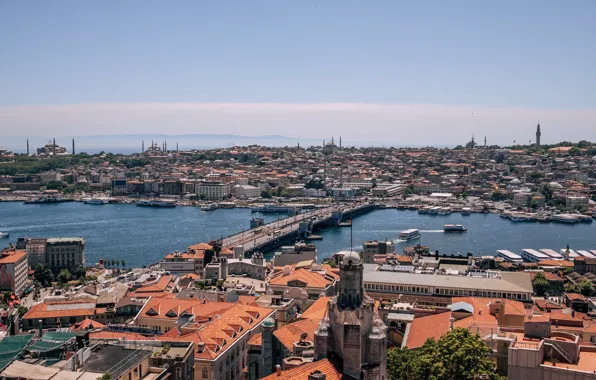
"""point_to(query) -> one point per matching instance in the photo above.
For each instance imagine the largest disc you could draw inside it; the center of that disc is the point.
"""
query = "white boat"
(466, 211)
(95, 201)
(409, 234)
(4, 235)
(533, 255)
(565, 218)
(209, 207)
(510, 256)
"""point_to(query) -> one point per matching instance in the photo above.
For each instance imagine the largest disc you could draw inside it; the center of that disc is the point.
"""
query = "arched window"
(205, 373)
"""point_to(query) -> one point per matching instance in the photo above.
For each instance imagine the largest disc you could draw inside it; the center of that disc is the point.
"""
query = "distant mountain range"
(131, 143)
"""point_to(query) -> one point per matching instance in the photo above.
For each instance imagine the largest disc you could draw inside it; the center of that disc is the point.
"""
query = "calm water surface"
(141, 236)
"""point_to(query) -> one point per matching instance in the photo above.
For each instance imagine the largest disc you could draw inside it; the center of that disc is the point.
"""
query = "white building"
(13, 271)
(577, 203)
(247, 191)
(214, 191)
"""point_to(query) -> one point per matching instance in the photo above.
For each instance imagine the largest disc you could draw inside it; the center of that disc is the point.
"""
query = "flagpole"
(351, 229)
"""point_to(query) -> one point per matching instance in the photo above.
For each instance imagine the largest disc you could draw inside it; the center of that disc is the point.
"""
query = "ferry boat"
(454, 228)
(4, 235)
(533, 255)
(163, 203)
(434, 210)
(95, 201)
(409, 234)
(552, 253)
(509, 256)
(445, 211)
(466, 211)
(271, 208)
(209, 207)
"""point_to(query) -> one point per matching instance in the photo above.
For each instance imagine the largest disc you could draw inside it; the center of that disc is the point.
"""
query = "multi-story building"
(577, 203)
(372, 248)
(214, 191)
(247, 191)
(13, 271)
(66, 252)
(219, 330)
(36, 251)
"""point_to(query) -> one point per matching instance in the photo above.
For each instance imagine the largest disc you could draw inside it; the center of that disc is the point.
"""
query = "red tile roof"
(423, 328)
(317, 310)
(61, 309)
(290, 334)
(302, 372)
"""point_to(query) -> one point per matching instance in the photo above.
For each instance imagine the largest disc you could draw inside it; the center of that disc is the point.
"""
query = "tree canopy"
(540, 284)
(457, 355)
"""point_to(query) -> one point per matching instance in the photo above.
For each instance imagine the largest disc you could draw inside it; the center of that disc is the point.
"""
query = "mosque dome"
(351, 257)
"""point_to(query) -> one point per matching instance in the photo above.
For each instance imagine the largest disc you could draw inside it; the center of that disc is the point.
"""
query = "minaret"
(339, 142)
(73, 147)
(27, 147)
(177, 147)
(143, 146)
(538, 134)
(54, 148)
(485, 141)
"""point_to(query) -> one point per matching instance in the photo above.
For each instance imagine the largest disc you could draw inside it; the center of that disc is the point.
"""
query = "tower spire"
(27, 147)
(538, 134)
(54, 148)
(142, 146)
(73, 147)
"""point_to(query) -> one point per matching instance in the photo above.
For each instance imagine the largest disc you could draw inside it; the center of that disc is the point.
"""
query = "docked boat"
(565, 218)
(95, 201)
(209, 207)
(466, 211)
(4, 235)
(163, 203)
(434, 210)
(271, 208)
(409, 234)
(454, 228)
(445, 211)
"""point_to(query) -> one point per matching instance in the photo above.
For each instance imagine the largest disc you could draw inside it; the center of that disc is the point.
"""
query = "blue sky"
(526, 60)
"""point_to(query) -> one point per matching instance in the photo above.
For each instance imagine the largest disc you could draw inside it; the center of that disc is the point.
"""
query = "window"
(178, 372)
(205, 373)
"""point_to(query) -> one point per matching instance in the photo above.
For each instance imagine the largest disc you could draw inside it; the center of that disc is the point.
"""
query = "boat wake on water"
(432, 231)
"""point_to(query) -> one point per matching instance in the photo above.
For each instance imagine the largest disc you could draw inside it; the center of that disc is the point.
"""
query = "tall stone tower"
(352, 330)
(73, 147)
(538, 134)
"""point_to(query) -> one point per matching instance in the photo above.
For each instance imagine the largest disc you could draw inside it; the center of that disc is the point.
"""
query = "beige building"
(213, 191)
(13, 271)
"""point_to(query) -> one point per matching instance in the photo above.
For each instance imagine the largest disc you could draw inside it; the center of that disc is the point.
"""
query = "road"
(278, 228)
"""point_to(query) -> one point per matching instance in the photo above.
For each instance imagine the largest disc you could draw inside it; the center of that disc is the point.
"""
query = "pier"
(275, 234)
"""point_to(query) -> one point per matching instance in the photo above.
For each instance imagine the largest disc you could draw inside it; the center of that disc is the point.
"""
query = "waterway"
(141, 236)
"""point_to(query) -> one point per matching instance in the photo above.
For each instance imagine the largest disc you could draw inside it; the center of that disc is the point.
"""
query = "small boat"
(409, 234)
(445, 211)
(156, 203)
(4, 235)
(95, 201)
(209, 207)
(466, 211)
(454, 228)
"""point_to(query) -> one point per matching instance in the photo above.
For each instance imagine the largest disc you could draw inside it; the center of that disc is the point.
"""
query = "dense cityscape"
(230, 309)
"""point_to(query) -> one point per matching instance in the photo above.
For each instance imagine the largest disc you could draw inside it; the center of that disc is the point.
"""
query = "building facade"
(13, 271)
(213, 191)
(64, 253)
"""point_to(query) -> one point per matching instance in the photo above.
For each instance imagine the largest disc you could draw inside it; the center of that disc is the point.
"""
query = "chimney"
(317, 375)
(278, 370)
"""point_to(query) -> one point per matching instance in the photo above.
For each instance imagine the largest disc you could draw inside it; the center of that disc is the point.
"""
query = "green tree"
(105, 376)
(64, 276)
(43, 275)
(585, 287)
(55, 185)
(540, 284)
(22, 310)
(457, 355)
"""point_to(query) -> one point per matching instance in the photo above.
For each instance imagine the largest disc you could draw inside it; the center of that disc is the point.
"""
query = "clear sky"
(409, 72)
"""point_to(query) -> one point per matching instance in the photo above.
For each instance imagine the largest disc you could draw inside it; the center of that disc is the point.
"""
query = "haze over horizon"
(400, 73)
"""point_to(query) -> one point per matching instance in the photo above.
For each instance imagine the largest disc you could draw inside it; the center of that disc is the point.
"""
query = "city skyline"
(369, 72)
